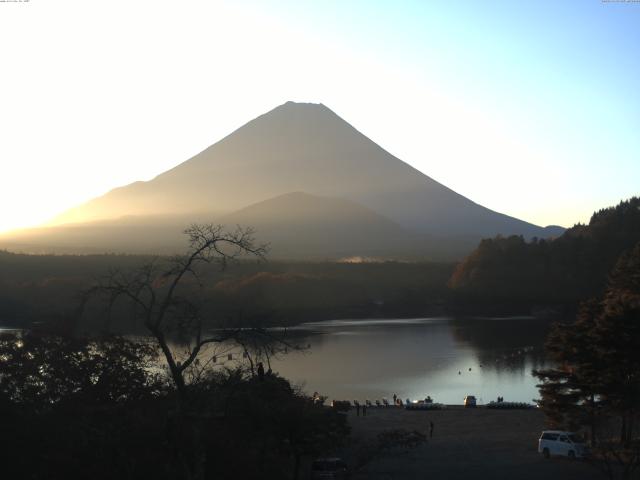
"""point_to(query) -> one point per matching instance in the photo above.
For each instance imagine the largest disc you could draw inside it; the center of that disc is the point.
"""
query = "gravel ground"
(467, 444)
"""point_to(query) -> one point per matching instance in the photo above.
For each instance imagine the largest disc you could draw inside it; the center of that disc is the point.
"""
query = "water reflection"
(441, 357)
(446, 358)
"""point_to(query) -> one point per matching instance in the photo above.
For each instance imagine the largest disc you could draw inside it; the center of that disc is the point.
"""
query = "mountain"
(131, 234)
(295, 225)
(302, 147)
(299, 225)
(297, 147)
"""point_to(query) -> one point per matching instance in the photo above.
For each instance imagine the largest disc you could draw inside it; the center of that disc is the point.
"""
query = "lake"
(445, 358)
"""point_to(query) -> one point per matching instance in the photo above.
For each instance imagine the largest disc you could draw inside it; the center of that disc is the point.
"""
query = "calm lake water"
(442, 357)
(446, 358)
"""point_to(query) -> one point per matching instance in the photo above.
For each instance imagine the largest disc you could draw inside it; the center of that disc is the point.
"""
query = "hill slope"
(296, 225)
(570, 268)
(299, 225)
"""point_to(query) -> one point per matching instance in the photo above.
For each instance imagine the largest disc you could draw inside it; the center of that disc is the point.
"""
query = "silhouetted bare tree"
(159, 300)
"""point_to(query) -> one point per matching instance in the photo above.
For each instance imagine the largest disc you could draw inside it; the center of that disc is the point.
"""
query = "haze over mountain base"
(307, 181)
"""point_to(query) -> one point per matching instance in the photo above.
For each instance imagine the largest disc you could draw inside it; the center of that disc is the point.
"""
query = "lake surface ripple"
(443, 357)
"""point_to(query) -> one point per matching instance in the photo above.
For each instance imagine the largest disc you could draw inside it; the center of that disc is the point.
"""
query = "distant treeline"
(44, 287)
(560, 272)
(36, 288)
(504, 275)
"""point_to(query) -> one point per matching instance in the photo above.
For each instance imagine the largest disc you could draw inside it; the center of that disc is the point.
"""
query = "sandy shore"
(467, 444)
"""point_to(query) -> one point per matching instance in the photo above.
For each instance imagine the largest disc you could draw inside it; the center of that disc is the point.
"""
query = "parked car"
(329, 468)
(470, 401)
(567, 444)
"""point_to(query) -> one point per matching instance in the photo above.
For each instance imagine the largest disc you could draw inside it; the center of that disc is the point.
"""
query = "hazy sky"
(531, 108)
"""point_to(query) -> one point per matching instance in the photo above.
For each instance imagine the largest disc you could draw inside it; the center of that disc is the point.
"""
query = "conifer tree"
(597, 373)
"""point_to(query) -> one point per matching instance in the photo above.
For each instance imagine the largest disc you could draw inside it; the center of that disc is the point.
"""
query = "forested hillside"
(39, 287)
(541, 272)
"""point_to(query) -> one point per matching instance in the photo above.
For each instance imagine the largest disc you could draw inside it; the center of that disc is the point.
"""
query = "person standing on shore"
(357, 409)
(430, 428)
(364, 410)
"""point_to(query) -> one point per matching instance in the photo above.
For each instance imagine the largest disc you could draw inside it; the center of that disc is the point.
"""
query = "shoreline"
(467, 443)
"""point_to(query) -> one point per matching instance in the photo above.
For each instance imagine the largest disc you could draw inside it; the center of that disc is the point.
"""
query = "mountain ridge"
(302, 147)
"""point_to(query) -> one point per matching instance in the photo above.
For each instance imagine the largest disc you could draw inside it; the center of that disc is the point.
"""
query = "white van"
(557, 442)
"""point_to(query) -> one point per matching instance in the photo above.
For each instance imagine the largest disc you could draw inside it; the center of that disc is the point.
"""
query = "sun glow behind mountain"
(310, 183)
(460, 91)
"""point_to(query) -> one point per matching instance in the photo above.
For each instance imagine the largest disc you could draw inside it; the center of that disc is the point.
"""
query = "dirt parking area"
(466, 444)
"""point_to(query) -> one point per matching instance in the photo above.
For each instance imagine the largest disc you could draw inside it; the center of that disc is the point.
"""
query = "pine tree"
(597, 377)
